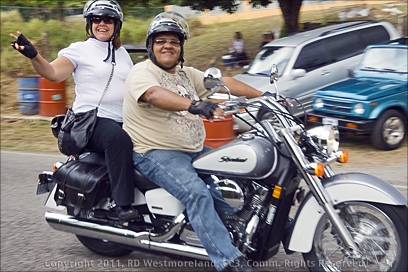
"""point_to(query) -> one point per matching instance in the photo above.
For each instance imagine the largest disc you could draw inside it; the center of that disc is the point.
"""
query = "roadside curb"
(31, 118)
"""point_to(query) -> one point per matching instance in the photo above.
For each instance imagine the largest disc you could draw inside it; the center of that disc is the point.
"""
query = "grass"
(205, 48)
(24, 135)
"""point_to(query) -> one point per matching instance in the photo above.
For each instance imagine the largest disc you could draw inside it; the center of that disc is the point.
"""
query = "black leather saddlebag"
(81, 185)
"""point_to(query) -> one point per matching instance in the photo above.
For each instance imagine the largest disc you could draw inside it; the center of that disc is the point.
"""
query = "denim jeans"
(173, 171)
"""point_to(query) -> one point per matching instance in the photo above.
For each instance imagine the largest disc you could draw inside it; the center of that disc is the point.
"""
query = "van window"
(269, 55)
(312, 56)
(374, 35)
(344, 46)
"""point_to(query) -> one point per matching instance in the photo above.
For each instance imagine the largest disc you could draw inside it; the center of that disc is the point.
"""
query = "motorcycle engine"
(232, 191)
(234, 194)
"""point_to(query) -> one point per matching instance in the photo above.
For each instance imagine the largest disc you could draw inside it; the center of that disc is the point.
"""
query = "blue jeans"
(173, 171)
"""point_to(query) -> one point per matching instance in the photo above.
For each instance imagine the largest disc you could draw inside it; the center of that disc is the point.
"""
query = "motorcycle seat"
(141, 182)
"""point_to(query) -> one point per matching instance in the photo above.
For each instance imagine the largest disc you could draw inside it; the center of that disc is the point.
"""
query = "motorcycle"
(340, 222)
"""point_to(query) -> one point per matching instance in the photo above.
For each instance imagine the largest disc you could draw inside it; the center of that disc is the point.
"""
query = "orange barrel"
(219, 131)
(52, 97)
(28, 95)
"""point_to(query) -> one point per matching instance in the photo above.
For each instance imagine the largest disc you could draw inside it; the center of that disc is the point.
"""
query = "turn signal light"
(277, 190)
(313, 118)
(319, 169)
(344, 156)
(351, 125)
(56, 166)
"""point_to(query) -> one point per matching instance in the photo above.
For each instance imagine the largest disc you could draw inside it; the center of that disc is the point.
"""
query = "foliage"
(290, 8)
(226, 5)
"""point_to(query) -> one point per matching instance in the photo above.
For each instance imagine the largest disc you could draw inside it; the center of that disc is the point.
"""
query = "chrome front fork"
(320, 193)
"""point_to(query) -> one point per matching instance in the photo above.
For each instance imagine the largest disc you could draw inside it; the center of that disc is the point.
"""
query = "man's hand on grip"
(205, 108)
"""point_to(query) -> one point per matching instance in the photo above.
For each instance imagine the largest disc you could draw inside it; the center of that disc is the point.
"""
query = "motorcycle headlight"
(318, 103)
(359, 108)
(327, 137)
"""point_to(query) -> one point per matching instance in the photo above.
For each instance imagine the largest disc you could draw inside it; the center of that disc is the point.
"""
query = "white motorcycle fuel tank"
(249, 156)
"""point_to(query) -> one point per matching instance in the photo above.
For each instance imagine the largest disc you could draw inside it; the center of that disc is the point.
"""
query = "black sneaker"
(126, 213)
(240, 265)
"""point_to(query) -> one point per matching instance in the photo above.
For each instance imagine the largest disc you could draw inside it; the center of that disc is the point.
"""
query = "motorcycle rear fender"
(50, 202)
(341, 188)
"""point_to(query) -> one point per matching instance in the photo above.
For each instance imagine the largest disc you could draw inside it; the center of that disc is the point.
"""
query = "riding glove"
(29, 50)
(205, 108)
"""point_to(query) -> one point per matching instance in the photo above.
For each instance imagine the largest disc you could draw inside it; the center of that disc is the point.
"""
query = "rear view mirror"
(298, 73)
(212, 80)
(274, 74)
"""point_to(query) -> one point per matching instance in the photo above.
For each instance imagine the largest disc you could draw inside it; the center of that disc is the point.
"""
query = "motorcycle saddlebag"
(81, 185)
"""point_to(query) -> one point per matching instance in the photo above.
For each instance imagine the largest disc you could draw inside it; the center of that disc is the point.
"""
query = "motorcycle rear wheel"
(101, 247)
(379, 230)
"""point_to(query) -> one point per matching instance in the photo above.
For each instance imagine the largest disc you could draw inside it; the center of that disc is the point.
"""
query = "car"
(310, 60)
(373, 101)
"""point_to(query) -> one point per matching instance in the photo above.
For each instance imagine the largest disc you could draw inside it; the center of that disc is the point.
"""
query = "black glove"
(29, 50)
(205, 108)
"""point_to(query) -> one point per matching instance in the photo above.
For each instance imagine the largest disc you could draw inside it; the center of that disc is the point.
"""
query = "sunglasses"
(161, 42)
(98, 20)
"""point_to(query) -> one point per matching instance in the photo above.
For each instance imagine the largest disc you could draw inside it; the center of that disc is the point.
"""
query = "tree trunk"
(290, 11)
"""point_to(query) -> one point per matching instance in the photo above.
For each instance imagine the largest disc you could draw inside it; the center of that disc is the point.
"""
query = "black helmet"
(104, 8)
(168, 21)
(108, 8)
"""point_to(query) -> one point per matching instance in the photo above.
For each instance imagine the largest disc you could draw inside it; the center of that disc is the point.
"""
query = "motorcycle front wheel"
(379, 230)
(101, 247)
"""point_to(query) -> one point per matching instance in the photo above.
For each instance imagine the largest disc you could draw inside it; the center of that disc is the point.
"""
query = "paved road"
(29, 244)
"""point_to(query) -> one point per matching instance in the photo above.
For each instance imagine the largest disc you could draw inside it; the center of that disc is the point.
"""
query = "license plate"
(45, 183)
(330, 121)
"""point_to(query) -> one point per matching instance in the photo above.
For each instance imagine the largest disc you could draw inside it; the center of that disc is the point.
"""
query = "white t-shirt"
(91, 75)
(154, 128)
(238, 45)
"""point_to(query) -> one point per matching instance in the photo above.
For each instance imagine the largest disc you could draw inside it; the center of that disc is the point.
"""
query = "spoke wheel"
(100, 246)
(380, 232)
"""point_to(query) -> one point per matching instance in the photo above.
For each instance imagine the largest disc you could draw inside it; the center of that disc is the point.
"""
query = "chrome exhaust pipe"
(144, 239)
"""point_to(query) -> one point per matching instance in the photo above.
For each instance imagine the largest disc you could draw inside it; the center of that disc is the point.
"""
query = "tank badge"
(232, 159)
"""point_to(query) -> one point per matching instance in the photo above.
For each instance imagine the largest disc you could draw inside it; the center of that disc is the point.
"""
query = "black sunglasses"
(98, 20)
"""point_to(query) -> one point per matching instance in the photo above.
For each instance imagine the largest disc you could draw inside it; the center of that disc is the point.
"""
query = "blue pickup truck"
(373, 101)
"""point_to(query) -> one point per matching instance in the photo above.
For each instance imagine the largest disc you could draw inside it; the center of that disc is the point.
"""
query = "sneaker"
(240, 265)
(126, 213)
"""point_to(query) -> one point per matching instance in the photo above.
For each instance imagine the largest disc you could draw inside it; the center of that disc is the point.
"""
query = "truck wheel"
(389, 130)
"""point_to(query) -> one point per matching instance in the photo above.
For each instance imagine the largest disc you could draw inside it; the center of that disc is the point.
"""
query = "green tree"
(290, 9)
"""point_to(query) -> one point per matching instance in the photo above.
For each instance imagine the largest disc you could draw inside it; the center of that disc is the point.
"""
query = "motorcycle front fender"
(341, 188)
